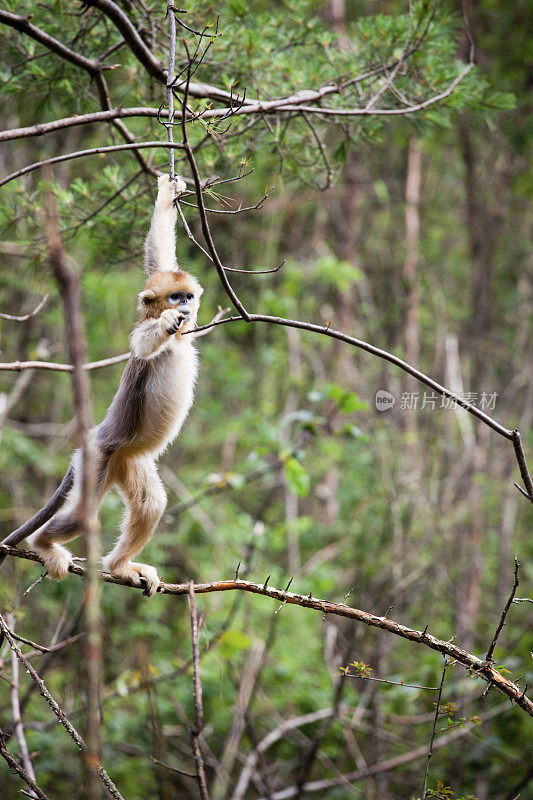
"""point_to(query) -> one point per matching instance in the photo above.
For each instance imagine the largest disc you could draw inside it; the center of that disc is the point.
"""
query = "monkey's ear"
(147, 296)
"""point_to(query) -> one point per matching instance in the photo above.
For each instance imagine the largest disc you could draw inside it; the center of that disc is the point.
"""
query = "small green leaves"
(297, 477)
(233, 642)
(347, 402)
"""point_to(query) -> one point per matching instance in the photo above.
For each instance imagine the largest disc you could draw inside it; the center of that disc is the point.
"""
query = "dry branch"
(381, 767)
(197, 728)
(70, 729)
(91, 151)
(25, 317)
(16, 767)
(501, 623)
(477, 667)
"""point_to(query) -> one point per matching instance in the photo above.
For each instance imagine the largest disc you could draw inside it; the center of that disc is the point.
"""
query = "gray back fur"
(125, 414)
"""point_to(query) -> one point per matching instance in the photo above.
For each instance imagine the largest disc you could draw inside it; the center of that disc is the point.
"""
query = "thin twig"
(15, 766)
(25, 317)
(32, 586)
(17, 366)
(521, 458)
(91, 151)
(17, 718)
(201, 207)
(173, 769)
(170, 83)
(391, 683)
(434, 730)
(490, 651)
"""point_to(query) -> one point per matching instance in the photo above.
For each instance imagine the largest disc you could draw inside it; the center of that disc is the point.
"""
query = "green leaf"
(297, 477)
(232, 642)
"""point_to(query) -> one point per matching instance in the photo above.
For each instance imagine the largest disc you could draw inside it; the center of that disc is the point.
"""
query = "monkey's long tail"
(42, 516)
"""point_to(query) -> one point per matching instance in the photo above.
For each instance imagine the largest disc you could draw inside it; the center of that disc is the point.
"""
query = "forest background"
(410, 232)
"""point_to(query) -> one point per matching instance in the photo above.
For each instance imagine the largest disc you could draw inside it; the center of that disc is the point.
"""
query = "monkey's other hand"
(168, 189)
(139, 574)
(171, 320)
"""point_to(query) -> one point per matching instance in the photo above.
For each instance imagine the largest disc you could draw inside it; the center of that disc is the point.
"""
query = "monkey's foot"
(56, 559)
(169, 188)
(138, 574)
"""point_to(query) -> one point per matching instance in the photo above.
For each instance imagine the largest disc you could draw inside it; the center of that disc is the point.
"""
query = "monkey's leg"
(145, 499)
(46, 542)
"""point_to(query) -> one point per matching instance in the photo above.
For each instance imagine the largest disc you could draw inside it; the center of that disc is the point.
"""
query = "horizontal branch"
(511, 435)
(296, 102)
(41, 128)
(91, 151)
(476, 666)
(18, 366)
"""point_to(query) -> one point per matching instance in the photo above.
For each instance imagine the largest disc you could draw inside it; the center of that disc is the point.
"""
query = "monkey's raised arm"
(160, 245)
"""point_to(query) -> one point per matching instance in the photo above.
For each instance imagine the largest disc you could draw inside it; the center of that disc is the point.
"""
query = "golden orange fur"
(153, 298)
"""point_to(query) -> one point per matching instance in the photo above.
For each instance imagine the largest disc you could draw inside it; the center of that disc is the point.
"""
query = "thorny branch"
(477, 667)
(14, 765)
(70, 729)
(501, 623)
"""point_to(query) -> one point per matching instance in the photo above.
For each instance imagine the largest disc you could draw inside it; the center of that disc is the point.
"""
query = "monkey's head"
(175, 289)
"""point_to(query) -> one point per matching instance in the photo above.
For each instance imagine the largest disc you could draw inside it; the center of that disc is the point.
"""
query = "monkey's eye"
(175, 297)
(190, 296)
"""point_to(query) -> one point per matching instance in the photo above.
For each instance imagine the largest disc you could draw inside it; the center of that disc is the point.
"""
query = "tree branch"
(501, 623)
(476, 666)
(198, 726)
(23, 25)
(91, 151)
(70, 729)
(25, 317)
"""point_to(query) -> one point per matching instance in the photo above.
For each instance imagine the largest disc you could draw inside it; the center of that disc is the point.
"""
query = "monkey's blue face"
(177, 290)
(181, 300)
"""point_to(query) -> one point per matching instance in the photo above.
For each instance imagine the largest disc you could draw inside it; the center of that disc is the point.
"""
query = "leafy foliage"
(294, 471)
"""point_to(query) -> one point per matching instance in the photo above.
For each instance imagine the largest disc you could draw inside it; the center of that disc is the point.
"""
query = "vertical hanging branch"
(196, 729)
(434, 730)
(69, 284)
(170, 83)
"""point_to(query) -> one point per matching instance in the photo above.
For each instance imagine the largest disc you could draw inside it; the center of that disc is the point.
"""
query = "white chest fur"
(169, 393)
